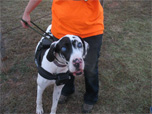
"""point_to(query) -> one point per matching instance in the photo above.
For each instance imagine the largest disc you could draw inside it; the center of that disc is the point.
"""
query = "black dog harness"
(60, 78)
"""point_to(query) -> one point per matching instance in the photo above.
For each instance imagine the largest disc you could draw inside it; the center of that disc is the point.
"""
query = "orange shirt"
(77, 17)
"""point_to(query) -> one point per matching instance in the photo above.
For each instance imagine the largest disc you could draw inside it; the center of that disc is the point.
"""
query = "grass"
(124, 64)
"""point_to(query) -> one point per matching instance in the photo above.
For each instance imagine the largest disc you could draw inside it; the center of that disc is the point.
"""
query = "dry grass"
(124, 67)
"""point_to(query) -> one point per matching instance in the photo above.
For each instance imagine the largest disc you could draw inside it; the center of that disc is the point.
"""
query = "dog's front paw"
(39, 110)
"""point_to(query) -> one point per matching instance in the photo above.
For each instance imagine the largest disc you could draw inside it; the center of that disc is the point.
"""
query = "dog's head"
(71, 49)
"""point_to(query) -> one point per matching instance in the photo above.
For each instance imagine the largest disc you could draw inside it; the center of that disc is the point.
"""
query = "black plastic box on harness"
(60, 78)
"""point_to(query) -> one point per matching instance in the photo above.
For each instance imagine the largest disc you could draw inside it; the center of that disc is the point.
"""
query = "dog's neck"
(58, 64)
(51, 66)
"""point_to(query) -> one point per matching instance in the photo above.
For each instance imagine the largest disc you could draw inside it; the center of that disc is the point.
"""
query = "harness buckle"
(62, 78)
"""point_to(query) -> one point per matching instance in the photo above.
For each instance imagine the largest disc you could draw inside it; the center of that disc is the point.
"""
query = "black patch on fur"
(64, 42)
(50, 56)
(84, 47)
(74, 43)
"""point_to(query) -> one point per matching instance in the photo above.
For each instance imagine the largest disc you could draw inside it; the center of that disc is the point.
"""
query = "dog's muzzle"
(77, 63)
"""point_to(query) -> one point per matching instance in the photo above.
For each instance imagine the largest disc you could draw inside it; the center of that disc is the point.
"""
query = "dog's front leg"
(39, 108)
(56, 95)
(41, 85)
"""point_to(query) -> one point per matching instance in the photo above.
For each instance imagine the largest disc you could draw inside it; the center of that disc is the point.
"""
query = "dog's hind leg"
(56, 96)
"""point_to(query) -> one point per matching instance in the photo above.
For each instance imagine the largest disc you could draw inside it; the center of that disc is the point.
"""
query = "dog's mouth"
(78, 72)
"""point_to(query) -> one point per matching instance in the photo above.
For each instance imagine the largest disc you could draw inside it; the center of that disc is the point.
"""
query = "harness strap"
(60, 78)
(45, 74)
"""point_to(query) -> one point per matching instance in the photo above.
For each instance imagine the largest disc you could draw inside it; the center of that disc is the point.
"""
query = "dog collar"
(58, 64)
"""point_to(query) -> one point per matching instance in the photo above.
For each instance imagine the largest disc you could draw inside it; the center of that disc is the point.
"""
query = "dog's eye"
(63, 49)
(79, 45)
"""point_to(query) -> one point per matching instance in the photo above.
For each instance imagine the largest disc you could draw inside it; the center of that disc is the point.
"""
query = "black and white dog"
(64, 55)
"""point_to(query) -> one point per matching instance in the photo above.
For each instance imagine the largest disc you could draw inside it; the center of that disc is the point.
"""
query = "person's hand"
(26, 17)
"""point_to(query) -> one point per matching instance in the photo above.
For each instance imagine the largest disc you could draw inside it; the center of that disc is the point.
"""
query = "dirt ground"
(124, 64)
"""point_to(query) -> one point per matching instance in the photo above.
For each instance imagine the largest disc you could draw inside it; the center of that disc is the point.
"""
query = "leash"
(43, 35)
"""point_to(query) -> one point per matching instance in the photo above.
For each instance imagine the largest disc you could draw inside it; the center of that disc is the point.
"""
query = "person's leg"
(91, 69)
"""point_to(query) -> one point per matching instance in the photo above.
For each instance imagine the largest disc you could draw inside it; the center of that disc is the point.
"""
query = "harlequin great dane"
(64, 55)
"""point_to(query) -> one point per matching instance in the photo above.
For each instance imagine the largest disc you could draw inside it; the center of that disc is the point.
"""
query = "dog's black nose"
(77, 62)
(77, 65)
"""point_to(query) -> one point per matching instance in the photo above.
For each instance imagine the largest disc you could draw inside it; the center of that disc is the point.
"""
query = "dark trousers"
(90, 72)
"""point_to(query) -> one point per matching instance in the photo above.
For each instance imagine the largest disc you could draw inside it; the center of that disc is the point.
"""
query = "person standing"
(83, 18)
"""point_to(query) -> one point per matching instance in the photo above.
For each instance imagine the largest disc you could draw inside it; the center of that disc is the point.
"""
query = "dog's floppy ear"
(85, 47)
(50, 56)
